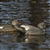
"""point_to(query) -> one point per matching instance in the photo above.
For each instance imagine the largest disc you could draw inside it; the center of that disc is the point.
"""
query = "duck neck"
(20, 29)
(43, 29)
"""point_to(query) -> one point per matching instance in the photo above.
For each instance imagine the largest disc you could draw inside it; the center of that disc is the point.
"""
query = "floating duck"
(7, 29)
(30, 30)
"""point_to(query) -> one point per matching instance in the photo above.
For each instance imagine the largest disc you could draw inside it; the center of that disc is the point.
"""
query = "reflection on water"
(39, 11)
(35, 42)
(33, 11)
(35, 39)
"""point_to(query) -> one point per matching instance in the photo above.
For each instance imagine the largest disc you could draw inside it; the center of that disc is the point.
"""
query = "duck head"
(16, 23)
(42, 25)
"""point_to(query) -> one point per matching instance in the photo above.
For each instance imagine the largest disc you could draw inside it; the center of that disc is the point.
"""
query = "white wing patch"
(26, 27)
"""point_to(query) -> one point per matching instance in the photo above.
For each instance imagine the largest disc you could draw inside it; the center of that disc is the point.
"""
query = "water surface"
(30, 12)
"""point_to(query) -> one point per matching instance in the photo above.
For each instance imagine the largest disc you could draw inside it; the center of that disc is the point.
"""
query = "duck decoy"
(29, 29)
